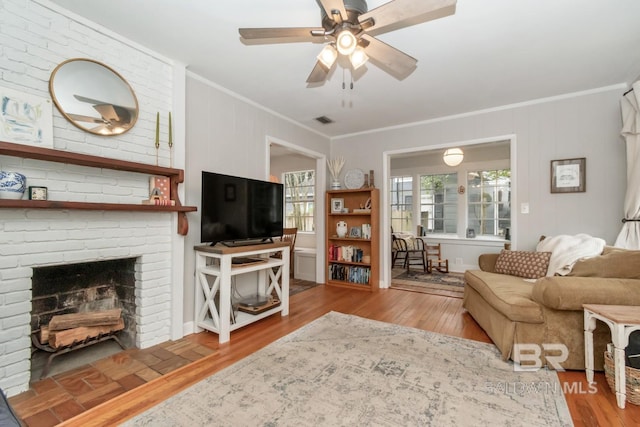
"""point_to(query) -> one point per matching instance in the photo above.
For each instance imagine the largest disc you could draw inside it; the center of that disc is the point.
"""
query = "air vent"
(324, 120)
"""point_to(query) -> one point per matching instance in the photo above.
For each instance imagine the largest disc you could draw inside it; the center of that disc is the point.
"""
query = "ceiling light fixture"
(453, 156)
(346, 42)
(328, 56)
(358, 58)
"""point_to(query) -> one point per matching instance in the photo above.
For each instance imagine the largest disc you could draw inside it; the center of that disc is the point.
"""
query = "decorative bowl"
(12, 185)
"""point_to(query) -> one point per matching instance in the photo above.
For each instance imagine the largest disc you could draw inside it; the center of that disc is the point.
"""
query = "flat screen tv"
(239, 211)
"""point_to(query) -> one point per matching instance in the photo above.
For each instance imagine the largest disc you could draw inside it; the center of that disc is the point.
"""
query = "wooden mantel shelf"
(176, 177)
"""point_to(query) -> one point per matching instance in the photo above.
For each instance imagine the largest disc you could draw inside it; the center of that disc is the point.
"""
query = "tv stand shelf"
(176, 177)
(214, 270)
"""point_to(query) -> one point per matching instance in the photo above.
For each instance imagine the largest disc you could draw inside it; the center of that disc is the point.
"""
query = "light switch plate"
(524, 208)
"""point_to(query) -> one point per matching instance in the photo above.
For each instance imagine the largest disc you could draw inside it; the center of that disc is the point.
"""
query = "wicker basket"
(632, 377)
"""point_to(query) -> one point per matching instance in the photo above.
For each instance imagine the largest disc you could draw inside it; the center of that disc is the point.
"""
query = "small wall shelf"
(176, 177)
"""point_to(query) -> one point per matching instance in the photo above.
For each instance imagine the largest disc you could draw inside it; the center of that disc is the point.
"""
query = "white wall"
(582, 125)
(228, 135)
(35, 38)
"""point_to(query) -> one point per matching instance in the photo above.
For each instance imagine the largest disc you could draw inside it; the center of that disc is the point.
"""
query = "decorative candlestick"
(157, 136)
(170, 141)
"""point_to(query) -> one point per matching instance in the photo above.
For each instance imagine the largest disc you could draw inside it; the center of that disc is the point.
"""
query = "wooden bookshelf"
(360, 271)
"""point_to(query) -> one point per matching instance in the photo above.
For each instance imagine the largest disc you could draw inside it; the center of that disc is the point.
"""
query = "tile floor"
(62, 396)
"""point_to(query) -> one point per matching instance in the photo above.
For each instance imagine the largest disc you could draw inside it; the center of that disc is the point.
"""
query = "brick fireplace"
(84, 288)
(35, 240)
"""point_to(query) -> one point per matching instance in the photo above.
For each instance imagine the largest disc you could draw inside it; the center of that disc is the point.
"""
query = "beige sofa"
(548, 310)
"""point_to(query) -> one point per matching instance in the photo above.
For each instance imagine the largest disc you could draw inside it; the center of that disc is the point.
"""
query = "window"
(299, 199)
(439, 203)
(489, 201)
(402, 203)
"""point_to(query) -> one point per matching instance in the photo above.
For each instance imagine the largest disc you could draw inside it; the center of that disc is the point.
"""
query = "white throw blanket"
(566, 250)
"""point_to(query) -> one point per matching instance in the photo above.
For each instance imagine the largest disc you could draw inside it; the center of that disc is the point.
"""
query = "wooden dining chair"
(398, 251)
(290, 235)
(434, 257)
(416, 255)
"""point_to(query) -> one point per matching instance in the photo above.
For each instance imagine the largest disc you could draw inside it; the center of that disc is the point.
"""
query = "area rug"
(344, 370)
(297, 285)
(447, 284)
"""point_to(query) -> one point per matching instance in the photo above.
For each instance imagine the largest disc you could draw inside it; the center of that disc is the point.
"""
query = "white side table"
(622, 320)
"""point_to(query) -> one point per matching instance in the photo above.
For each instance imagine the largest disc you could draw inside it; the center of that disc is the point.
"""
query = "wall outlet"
(524, 208)
(458, 261)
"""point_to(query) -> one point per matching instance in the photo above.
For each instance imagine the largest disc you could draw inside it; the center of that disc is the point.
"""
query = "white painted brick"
(15, 285)
(33, 40)
(153, 292)
(16, 297)
(8, 335)
(115, 253)
(49, 236)
(14, 310)
(158, 308)
(8, 262)
(15, 321)
(18, 344)
(18, 367)
(15, 384)
(14, 273)
(48, 258)
(23, 225)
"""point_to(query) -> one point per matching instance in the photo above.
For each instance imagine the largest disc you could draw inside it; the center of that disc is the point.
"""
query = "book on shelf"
(159, 202)
(366, 231)
(350, 273)
(345, 253)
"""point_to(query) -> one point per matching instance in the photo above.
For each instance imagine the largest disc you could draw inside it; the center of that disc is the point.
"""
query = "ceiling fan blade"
(83, 118)
(390, 59)
(283, 35)
(334, 5)
(107, 111)
(318, 74)
(404, 13)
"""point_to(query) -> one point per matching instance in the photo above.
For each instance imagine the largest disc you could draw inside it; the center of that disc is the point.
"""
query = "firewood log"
(90, 318)
(67, 337)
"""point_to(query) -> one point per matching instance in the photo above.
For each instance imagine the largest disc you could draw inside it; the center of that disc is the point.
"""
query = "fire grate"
(76, 345)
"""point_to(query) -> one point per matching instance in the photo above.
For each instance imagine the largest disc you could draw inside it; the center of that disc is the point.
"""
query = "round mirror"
(93, 97)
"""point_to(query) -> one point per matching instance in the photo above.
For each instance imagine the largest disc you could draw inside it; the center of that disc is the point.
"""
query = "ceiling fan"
(349, 28)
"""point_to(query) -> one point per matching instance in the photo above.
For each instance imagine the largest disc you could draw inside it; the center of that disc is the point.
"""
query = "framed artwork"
(355, 232)
(25, 119)
(337, 205)
(569, 175)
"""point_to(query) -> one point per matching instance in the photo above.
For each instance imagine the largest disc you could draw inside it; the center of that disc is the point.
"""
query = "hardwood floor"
(430, 312)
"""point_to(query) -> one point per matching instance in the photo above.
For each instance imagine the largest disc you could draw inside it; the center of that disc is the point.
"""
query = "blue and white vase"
(12, 185)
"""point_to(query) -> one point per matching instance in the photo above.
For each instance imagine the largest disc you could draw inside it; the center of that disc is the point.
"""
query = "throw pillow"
(614, 262)
(531, 265)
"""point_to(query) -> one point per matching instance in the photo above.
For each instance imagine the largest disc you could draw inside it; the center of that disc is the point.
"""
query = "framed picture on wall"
(569, 175)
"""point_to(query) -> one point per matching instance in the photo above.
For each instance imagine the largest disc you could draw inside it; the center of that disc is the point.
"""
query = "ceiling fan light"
(358, 58)
(346, 42)
(453, 156)
(328, 56)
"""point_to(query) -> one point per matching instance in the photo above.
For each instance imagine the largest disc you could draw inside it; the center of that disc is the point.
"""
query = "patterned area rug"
(297, 285)
(447, 284)
(344, 370)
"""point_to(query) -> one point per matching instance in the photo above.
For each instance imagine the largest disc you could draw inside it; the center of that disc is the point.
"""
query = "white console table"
(214, 271)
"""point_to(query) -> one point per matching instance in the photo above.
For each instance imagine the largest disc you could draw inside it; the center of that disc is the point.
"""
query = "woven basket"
(632, 377)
